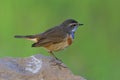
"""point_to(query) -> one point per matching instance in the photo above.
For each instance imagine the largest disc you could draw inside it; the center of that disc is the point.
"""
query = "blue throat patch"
(72, 33)
(74, 29)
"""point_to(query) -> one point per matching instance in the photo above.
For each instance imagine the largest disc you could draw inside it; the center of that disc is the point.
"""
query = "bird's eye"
(74, 25)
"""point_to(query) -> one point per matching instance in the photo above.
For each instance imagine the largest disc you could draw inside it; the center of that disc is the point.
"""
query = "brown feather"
(51, 36)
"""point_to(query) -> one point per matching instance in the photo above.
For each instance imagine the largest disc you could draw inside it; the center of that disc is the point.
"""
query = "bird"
(56, 38)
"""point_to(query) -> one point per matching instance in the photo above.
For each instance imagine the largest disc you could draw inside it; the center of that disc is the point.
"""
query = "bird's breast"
(70, 39)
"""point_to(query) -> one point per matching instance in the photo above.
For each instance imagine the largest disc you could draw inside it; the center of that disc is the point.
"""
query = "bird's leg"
(57, 61)
(52, 54)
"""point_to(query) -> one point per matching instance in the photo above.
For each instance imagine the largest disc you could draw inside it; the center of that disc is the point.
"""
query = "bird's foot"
(58, 59)
(55, 61)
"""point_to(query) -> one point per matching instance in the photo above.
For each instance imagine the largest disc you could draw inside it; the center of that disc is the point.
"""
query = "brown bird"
(56, 38)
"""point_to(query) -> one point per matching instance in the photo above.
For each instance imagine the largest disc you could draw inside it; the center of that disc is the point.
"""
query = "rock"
(37, 67)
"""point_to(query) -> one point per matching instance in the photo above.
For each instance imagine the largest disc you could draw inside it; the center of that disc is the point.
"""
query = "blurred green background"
(95, 53)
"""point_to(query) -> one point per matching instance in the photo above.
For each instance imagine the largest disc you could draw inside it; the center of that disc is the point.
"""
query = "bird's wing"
(51, 36)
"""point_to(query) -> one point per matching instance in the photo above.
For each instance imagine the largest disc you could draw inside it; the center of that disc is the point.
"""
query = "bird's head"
(70, 25)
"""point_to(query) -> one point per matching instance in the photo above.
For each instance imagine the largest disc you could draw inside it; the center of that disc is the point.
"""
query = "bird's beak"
(80, 24)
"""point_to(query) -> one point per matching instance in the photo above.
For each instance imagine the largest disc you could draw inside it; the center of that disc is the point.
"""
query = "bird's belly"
(60, 46)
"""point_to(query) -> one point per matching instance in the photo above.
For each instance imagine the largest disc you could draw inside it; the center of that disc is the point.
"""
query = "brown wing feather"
(52, 36)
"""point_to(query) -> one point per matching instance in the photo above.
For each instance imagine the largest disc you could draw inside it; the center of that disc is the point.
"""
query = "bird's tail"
(29, 37)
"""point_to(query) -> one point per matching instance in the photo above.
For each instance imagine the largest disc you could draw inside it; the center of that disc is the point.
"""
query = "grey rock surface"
(37, 67)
